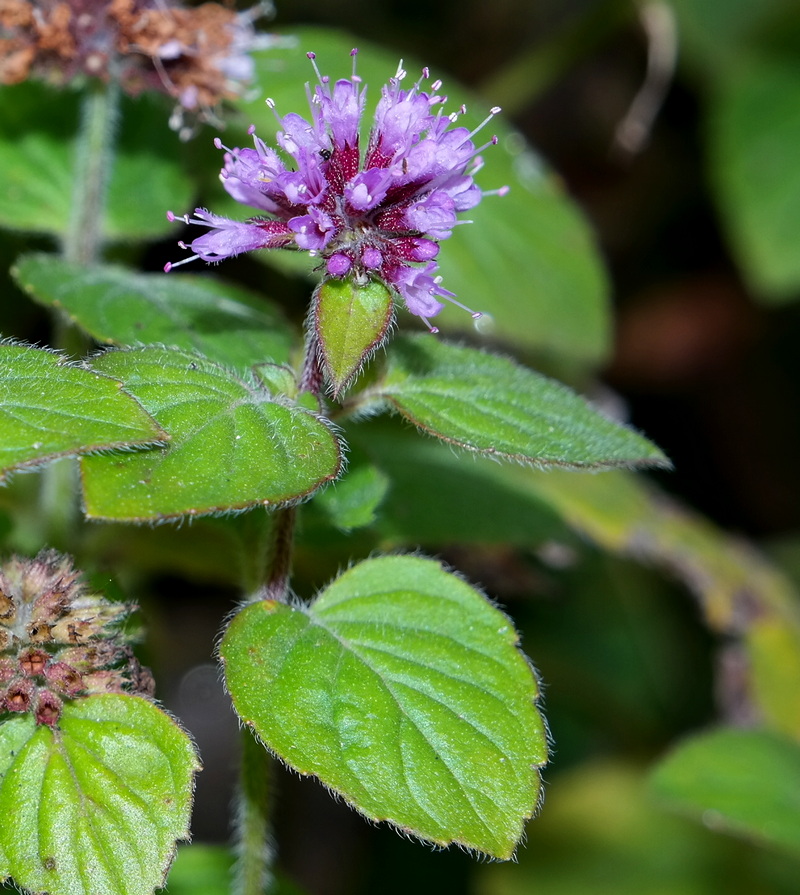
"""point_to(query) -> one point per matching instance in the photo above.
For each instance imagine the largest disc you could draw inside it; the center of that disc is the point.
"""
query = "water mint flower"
(377, 213)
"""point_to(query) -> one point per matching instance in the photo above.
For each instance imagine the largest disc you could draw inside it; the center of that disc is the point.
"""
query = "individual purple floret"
(377, 214)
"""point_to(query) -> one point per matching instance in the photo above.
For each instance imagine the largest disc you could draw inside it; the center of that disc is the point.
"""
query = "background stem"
(253, 875)
(94, 151)
(81, 244)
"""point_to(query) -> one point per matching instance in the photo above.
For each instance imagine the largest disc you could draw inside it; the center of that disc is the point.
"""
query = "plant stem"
(254, 850)
(81, 244)
(93, 162)
(276, 586)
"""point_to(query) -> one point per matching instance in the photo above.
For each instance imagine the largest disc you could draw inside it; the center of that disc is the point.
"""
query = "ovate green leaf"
(745, 782)
(403, 689)
(51, 409)
(491, 405)
(232, 446)
(350, 321)
(225, 323)
(95, 806)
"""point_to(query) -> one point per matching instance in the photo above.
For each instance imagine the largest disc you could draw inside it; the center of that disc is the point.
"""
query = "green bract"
(232, 446)
(50, 409)
(402, 688)
(350, 321)
(94, 807)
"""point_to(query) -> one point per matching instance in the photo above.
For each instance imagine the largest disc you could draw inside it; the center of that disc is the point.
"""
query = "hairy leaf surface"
(232, 445)
(51, 409)
(94, 807)
(227, 324)
(403, 689)
(491, 405)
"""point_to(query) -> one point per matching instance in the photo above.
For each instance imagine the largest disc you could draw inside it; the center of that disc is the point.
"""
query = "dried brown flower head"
(58, 641)
(198, 56)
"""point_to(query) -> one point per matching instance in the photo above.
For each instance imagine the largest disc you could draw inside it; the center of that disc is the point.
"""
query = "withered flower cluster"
(58, 641)
(198, 56)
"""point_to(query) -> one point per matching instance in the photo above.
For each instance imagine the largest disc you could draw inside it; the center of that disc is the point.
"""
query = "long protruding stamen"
(322, 79)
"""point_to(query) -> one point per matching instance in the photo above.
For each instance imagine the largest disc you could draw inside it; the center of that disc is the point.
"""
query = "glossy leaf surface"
(491, 405)
(231, 445)
(95, 806)
(403, 689)
(225, 323)
(50, 409)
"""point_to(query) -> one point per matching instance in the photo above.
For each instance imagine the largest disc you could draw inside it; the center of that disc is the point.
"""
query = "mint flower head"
(377, 214)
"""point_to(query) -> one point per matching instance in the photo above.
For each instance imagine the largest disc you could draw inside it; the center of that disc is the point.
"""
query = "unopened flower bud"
(58, 641)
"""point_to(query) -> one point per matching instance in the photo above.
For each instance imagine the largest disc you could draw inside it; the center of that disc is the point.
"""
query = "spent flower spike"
(380, 213)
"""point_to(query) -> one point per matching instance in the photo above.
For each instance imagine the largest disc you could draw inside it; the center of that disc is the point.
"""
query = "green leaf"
(350, 322)
(744, 782)
(37, 129)
(94, 806)
(231, 445)
(436, 498)
(528, 261)
(352, 501)
(753, 134)
(489, 404)
(51, 409)
(227, 324)
(715, 33)
(403, 689)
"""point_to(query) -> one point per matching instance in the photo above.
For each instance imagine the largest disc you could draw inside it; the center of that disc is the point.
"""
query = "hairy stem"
(276, 586)
(81, 244)
(253, 843)
(253, 875)
(93, 161)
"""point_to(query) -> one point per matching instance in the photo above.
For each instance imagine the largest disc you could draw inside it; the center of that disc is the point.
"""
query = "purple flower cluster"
(377, 216)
